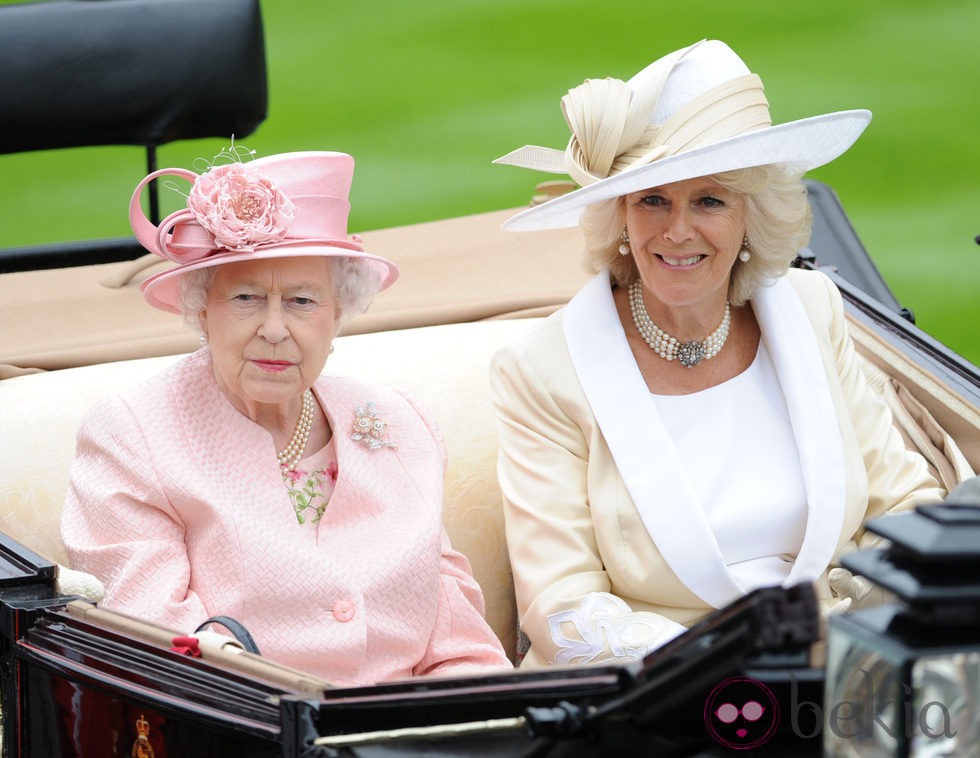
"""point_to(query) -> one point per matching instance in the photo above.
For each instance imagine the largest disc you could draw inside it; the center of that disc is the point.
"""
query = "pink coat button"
(343, 610)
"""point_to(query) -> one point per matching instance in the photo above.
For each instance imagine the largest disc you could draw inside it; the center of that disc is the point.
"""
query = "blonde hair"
(354, 288)
(777, 225)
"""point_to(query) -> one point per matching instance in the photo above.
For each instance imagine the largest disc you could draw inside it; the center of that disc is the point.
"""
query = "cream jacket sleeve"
(896, 479)
(571, 609)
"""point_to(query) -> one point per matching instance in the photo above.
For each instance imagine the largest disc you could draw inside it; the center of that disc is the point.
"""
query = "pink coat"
(176, 503)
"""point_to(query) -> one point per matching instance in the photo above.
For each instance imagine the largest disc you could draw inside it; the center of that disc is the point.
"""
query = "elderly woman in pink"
(243, 482)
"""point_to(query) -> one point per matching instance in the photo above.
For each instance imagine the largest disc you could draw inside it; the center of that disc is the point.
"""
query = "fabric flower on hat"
(241, 209)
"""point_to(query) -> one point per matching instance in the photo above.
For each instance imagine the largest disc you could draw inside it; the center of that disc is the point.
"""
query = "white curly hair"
(354, 288)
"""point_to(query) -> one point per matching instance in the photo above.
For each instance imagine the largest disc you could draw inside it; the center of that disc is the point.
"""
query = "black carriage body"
(74, 688)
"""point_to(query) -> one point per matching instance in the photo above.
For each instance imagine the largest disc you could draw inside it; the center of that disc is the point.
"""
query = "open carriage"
(78, 680)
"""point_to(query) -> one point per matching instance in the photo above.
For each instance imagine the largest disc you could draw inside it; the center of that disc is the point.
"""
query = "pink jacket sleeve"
(461, 639)
(118, 524)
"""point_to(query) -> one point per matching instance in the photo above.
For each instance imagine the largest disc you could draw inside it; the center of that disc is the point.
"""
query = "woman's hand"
(853, 592)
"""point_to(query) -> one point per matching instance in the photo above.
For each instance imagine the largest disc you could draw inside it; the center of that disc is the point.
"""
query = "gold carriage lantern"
(903, 679)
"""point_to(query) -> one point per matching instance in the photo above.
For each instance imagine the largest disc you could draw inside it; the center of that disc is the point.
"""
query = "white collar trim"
(650, 464)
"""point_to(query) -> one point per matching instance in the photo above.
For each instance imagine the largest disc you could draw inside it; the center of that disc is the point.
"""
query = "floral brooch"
(369, 428)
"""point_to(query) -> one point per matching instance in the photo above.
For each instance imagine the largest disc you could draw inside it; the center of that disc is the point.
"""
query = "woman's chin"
(268, 392)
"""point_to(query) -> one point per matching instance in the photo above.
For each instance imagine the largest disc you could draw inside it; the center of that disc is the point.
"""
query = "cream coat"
(610, 548)
(176, 503)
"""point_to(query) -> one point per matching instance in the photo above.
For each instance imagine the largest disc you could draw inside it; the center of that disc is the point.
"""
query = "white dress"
(752, 492)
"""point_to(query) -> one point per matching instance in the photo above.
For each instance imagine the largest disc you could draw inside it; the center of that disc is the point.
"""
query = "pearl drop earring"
(745, 253)
(624, 246)
(203, 339)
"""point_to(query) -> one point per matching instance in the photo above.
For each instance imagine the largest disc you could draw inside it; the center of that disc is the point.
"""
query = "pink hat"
(280, 206)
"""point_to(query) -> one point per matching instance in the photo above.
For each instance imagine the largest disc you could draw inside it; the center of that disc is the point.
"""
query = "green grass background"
(425, 94)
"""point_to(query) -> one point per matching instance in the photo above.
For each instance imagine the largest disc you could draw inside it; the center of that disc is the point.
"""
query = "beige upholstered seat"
(453, 271)
(100, 336)
(445, 366)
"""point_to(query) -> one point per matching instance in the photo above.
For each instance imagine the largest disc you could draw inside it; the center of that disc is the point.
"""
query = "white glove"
(856, 591)
(218, 640)
(71, 582)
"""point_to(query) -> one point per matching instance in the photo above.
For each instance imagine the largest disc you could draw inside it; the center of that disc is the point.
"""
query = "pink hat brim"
(162, 290)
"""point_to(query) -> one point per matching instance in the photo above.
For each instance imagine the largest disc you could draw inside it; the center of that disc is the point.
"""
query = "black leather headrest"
(129, 72)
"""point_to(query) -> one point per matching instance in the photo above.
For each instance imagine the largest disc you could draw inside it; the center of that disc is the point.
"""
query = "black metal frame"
(142, 85)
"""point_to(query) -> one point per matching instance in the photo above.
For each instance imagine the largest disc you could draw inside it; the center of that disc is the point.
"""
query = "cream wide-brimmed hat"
(695, 112)
(288, 205)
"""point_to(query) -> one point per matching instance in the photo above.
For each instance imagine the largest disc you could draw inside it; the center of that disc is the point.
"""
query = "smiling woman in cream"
(694, 424)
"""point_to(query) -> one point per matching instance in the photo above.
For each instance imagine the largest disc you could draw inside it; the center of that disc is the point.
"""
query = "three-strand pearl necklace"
(687, 353)
(290, 455)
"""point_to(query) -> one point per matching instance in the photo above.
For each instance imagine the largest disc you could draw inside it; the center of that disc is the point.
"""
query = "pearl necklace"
(291, 454)
(688, 353)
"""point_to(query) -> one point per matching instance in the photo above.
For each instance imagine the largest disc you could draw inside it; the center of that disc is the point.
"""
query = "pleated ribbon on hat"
(612, 131)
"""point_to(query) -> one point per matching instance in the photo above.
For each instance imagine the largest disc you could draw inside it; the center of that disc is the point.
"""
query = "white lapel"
(663, 494)
(645, 455)
(795, 354)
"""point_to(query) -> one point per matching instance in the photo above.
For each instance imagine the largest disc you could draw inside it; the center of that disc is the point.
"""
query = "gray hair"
(354, 287)
(777, 225)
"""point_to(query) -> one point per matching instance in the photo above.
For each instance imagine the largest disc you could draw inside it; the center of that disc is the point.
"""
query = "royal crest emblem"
(142, 747)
